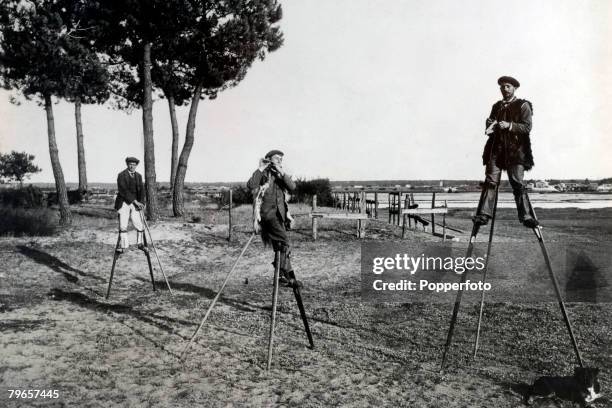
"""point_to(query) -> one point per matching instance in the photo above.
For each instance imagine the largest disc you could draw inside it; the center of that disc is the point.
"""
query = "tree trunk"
(80, 148)
(175, 140)
(177, 196)
(149, 145)
(58, 174)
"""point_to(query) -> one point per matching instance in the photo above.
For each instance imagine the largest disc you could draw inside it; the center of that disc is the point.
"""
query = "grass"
(20, 222)
(126, 350)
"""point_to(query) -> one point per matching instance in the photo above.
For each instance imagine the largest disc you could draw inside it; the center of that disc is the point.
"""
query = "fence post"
(361, 223)
(444, 222)
(433, 217)
(229, 211)
(314, 219)
(412, 202)
(399, 208)
(376, 205)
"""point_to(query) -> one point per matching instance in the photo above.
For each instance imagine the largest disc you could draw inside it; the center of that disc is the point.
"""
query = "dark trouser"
(492, 179)
(273, 231)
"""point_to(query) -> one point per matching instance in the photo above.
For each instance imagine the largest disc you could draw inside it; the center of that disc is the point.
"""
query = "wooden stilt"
(115, 256)
(148, 255)
(274, 304)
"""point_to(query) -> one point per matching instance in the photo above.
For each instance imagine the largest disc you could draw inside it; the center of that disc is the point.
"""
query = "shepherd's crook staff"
(216, 297)
(144, 221)
(538, 232)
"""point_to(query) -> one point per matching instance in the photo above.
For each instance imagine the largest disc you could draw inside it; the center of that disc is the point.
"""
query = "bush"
(23, 197)
(74, 197)
(305, 189)
(29, 222)
(241, 195)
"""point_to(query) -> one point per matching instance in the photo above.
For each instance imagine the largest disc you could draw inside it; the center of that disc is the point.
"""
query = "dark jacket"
(274, 197)
(510, 146)
(129, 188)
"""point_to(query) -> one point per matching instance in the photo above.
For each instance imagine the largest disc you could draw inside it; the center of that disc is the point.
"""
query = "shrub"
(305, 189)
(29, 222)
(74, 197)
(23, 197)
(241, 195)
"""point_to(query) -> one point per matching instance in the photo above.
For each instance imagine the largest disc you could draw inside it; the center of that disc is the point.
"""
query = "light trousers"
(127, 212)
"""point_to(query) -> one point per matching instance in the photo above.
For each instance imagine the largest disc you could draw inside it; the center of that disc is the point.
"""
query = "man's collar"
(510, 100)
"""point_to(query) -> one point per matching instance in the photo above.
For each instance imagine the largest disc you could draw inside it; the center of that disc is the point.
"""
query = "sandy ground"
(57, 331)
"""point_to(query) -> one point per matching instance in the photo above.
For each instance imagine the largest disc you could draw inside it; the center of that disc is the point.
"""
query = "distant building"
(606, 188)
(541, 186)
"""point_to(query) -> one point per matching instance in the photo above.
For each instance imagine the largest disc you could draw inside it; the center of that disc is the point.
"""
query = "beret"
(131, 159)
(508, 80)
(273, 152)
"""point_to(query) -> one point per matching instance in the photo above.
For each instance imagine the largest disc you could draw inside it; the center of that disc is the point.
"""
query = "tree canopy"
(45, 51)
(17, 166)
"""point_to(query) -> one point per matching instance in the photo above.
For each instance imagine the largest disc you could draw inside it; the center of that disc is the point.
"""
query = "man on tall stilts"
(128, 204)
(270, 186)
(508, 148)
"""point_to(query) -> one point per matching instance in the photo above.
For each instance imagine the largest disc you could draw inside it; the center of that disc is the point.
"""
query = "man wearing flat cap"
(270, 186)
(129, 204)
(508, 148)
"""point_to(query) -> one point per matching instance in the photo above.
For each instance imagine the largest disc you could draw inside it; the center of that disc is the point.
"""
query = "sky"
(371, 90)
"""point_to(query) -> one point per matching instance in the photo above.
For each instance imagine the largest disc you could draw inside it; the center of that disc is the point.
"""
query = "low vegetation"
(20, 222)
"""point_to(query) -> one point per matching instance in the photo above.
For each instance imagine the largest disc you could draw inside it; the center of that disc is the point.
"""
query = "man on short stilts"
(129, 204)
(270, 186)
(508, 148)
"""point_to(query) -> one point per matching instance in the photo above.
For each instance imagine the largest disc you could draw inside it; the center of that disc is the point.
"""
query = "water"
(506, 200)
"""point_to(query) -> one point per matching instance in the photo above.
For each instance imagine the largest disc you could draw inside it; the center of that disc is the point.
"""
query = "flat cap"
(131, 159)
(273, 152)
(508, 80)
